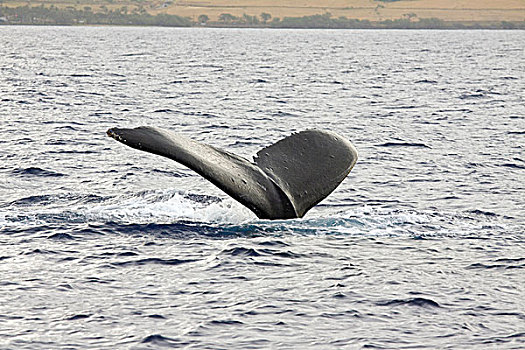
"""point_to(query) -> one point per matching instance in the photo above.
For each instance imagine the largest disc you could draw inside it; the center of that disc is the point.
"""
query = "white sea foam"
(393, 222)
(165, 207)
(172, 206)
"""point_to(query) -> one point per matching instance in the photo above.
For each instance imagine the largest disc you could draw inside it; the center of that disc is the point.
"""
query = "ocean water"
(104, 247)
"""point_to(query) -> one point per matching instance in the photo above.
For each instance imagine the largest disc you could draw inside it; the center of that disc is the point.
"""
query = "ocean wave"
(178, 214)
(403, 144)
(419, 302)
(35, 171)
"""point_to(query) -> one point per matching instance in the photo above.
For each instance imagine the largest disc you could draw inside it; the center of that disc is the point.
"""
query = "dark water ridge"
(105, 247)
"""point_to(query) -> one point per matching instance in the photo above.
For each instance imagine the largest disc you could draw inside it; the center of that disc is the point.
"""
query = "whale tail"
(285, 180)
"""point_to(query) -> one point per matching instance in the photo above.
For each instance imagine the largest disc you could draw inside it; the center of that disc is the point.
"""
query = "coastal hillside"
(371, 10)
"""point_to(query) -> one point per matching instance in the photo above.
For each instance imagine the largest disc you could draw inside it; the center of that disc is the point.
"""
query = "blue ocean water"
(104, 247)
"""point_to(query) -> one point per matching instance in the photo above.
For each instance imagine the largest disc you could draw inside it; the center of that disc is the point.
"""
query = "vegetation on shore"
(70, 15)
(52, 15)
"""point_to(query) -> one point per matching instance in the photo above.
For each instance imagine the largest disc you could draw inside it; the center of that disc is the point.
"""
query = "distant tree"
(265, 17)
(250, 19)
(203, 19)
(226, 18)
(314, 21)
(432, 23)
(508, 25)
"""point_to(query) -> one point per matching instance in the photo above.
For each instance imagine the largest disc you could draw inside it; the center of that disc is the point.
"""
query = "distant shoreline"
(487, 27)
(41, 15)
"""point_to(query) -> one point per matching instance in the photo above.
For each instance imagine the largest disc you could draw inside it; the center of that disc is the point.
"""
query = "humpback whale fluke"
(285, 180)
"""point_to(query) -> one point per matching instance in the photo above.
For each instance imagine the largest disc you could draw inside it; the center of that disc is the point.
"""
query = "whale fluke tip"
(112, 133)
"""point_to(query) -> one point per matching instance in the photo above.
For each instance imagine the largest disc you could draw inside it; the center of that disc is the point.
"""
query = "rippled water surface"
(104, 247)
